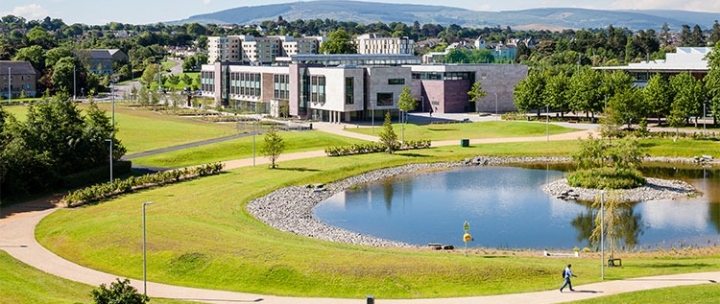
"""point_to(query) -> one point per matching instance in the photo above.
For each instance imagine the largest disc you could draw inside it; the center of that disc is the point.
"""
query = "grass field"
(24, 284)
(700, 294)
(478, 130)
(243, 148)
(200, 235)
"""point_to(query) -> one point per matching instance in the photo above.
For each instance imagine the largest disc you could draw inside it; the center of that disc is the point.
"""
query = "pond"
(506, 208)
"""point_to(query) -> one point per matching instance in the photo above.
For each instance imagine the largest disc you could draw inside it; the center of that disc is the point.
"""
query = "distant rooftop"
(685, 59)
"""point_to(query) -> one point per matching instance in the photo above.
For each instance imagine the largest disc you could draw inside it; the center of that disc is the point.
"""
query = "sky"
(154, 11)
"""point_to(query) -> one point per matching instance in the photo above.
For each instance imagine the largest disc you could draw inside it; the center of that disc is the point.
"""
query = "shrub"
(99, 192)
(95, 175)
(375, 147)
(606, 178)
(118, 292)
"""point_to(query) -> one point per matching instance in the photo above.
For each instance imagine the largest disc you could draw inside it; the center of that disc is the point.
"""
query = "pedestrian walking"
(566, 275)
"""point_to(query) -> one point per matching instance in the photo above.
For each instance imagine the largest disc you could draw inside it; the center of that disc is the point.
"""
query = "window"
(317, 89)
(385, 99)
(349, 90)
(396, 81)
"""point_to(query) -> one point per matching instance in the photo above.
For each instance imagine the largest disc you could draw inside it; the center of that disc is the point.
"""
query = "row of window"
(22, 87)
(281, 86)
(246, 84)
(317, 89)
(443, 76)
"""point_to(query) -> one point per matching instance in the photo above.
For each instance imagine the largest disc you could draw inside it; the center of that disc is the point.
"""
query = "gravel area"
(290, 209)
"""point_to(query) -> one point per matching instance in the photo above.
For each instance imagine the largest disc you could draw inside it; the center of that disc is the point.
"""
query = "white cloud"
(206, 2)
(30, 12)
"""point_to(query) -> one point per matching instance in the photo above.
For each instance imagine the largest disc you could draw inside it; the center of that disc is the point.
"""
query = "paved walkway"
(18, 239)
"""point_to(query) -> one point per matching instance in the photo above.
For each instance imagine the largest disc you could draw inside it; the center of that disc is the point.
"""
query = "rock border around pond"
(290, 209)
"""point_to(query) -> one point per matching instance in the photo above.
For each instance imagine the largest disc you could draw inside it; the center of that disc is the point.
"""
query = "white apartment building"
(246, 49)
(369, 44)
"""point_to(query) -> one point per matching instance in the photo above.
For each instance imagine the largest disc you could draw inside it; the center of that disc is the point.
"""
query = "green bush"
(375, 147)
(606, 178)
(118, 292)
(99, 192)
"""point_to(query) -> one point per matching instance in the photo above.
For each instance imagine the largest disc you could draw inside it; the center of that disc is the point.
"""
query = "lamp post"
(704, 115)
(496, 103)
(144, 249)
(110, 143)
(547, 121)
(253, 132)
(9, 84)
(74, 83)
(602, 234)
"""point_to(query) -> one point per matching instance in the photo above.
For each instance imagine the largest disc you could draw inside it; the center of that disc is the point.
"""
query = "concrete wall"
(377, 82)
(500, 80)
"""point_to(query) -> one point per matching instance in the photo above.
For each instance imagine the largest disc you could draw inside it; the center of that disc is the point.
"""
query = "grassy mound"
(606, 178)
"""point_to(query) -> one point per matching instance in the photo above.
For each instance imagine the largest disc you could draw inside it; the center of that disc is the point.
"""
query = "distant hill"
(542, 18)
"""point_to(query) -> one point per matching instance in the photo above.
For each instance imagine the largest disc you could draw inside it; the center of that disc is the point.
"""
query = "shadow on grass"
(412, 155)
(674, 265)
(442, 130)
(297, 169)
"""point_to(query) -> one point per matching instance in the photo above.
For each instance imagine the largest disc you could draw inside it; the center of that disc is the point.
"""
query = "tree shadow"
(297, 169)
(412, 155)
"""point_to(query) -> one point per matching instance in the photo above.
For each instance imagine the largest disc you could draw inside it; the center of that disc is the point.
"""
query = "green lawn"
(143, 130)
(243, 148)
(478, 130)
(24, 284)
(182, 84)
(20, 112)
(699, 294)
(200, 235)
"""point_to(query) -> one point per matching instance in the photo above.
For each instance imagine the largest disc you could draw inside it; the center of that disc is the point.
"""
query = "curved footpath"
(18, 239)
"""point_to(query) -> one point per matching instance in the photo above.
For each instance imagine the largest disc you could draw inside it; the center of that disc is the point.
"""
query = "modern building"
(245, 49)
(368, 44)
(685, 59)
(18, 78)
(337, 88)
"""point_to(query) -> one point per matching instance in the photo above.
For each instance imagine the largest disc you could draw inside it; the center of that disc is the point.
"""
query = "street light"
(602, 234)
(110, 142)
(496, 103)
(547, 121)
(144, 249)
(9, 84)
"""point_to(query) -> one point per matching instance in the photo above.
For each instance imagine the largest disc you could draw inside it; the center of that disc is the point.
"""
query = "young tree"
(149, 74)
(388, 136)
(476, 92)
(118, 292)
(556, 93)
(273, 146)
(585, 96)
(712, 82)
(406, 102)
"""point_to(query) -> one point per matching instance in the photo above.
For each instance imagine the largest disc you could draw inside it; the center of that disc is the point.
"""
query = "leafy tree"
(406, 101)
(339, 42)
(63, 73)
(689, 96)
(186, 79)
(476, 92)
(388, 136)
(149, 74)
(712, 82)
(556, 92)
(273, 146)
(33, 54)
(189, 64)
(625, 106)
(585, 96)
(658, 96)
(528, 93)
(118, 292)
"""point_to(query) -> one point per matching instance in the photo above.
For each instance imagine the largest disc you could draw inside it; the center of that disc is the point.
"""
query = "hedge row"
(106, 190)
(375, 147)
(92, 176)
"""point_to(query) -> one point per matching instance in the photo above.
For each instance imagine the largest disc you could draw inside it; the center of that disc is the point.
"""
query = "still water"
(506, 208)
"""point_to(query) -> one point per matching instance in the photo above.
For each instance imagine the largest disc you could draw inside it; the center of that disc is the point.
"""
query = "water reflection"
(507, 209)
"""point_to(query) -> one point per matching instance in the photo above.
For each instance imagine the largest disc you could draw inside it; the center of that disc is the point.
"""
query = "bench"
(572, 121)
(614, 262)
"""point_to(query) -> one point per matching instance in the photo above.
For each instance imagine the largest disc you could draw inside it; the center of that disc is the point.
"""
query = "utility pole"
(9, 84)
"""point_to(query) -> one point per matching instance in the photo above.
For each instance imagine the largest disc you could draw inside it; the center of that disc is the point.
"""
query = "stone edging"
(290, 209)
